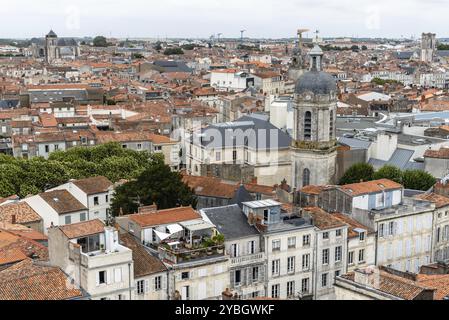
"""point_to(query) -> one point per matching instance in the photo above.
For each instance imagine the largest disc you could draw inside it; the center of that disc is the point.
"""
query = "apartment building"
(244, 247)
(198, 266)
(91, 254)
(94, 193)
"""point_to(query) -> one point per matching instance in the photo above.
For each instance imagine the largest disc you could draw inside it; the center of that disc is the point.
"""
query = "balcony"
(95, 259)
(248, 259)
(185, 255)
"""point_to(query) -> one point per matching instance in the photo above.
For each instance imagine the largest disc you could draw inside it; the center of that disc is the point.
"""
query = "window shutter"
(108, 277)
(164, 282)
(98, 279)
(118, 275)
(135, 289)
(147, 286)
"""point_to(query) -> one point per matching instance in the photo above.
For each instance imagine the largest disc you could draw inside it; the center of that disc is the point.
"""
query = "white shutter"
(136, 293)
(418, 245)
(118, 275)
(164, 282)
(109, 277)
(399, 250)
(147, 286)
(98, 279)
(202, 291)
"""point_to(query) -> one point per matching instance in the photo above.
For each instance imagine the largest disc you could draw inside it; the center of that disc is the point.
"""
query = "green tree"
(443, 46)
(157, 184)
(389, 172)
(100, 41)
(173, 51)
(418, 180)
(357, 173)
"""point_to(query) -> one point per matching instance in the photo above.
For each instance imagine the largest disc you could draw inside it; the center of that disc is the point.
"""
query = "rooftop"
(83, 229)
(162, 217)
(62, 201)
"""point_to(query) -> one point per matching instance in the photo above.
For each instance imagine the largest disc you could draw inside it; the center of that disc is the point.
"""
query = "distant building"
(428, 47)
(53, 48)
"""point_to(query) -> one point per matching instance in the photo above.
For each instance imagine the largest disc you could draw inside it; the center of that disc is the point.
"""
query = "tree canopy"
(410, 179)
(358, 173)
(100, 41)
(31, 176)
(173, 51)
(156, 184)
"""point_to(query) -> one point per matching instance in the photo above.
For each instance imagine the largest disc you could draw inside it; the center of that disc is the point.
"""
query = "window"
(325, 256)
(438, 235)
(338, 251)
(306, 240)
(234, 155)
(83, 216)
(306, 177)
(362, 236)
(118, 275)
(325, 235)
(102, 277)
(305, 285)
(139, 146)
(305, 261)
(237, 277)
(331, 124)
(290, 289)
(96, 201)
(292, 242)
(106, 198)
(56, 147)
(275, 291)
(381, 230)
(338, 233)
(266, 214)
(361, 255)
(234, 250)
(159, 148)
(158, 283)
(308, 126)
(324, 280)
(291, 264)
(255, 274)
(337, 273)
(251, 247)
(185, 275)
(47, 149)
(68, 219)
(351, 257)
(276, 245)
(120, 297)
(391, 228)
(217, 156)
(275, 267)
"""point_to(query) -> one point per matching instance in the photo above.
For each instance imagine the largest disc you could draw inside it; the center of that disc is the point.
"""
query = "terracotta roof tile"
(361, 188)
(83, 229)
(62, 201)
(94, 185)
(323, 220)
(168, 216)
(21, 210)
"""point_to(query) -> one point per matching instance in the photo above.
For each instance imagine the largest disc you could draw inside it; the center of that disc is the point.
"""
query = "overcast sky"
(202, 18)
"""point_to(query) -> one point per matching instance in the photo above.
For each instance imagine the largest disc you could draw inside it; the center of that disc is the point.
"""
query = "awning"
(161, 235)
(174, 228)
(197, 225)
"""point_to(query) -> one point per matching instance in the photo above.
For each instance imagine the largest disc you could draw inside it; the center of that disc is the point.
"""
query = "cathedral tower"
(314, 146)
(51, 47)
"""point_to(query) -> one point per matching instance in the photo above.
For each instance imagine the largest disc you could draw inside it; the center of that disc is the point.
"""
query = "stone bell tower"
(314, 146)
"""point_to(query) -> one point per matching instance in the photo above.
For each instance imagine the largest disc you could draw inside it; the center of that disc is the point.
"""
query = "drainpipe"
(129, 277)
(315, 266)
(376, 245)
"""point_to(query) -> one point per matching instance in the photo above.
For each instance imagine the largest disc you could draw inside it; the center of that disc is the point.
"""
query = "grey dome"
(52, 34)
(318, 82)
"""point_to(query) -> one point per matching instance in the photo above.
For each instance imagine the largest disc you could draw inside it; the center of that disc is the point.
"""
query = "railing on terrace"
(184, 255)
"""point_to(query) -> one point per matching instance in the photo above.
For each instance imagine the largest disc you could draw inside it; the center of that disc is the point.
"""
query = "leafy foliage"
(173, 51)
(357, 173)
(156, 184)
(100, 41)
(24, 177)
(417, 180)
(389, 172)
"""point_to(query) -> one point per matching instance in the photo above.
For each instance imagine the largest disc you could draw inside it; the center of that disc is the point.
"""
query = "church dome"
(318, 82)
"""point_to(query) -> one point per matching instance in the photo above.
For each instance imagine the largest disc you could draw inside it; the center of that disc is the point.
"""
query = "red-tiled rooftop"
(163, 217)
(368, 187)
(83, 229)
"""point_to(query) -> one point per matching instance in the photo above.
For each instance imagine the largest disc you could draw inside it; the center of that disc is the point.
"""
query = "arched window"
(306, 177)
(331, 124)
(308, 126)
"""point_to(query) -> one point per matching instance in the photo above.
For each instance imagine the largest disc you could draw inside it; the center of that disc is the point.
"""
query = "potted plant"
(102, 247)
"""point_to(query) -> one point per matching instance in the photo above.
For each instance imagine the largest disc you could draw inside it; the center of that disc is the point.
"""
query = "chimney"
(227, 294)
(13, 219)
(369, 277)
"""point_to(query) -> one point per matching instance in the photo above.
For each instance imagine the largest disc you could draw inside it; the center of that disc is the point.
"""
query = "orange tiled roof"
(21, 210)
(361, 188)
(439, 200)
(83, 229)
(323, 220)
(168, 216)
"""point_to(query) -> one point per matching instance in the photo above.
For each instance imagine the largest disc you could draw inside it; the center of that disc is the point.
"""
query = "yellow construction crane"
(300, 32)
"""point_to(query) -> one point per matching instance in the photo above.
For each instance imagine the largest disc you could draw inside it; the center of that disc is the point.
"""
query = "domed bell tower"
(314, 146)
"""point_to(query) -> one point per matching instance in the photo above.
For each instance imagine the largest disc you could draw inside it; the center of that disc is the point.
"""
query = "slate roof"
(172, 66)
(354, 143)
(144, 263)
(401, 159)
(231, 222)
(246, 131)
(318, 82)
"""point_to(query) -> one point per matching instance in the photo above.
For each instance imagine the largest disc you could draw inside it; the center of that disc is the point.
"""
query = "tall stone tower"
(51, 47)
(428, 47)
(314, 146)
